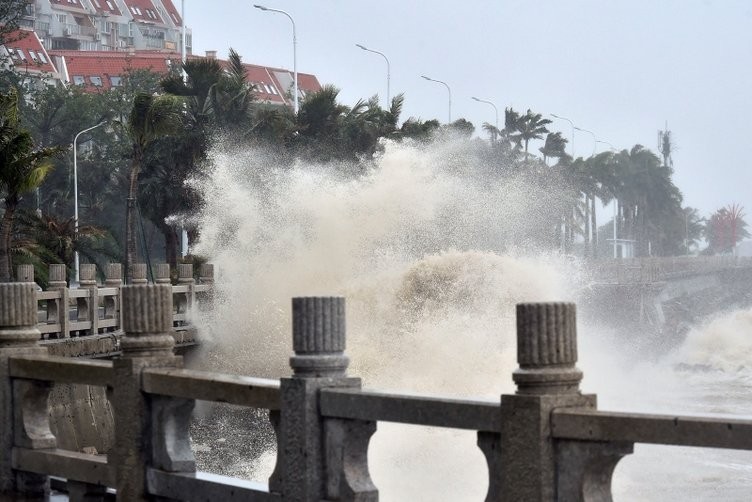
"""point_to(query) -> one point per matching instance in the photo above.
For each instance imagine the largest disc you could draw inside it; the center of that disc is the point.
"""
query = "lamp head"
(476, 99)
(260, 7)
(358, 45)
(426, 77)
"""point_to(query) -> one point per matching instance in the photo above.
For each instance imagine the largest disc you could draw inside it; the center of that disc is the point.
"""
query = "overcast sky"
(620, 69)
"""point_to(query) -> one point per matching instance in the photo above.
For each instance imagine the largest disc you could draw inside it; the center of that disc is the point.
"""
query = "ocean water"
(432, 250)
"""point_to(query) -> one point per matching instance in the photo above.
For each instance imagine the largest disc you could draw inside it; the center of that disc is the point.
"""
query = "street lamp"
(496, 110)
(448, 90)
(607, 143)
(294, 50)
(570, 123)
(595, 140)
(75, 190)
(387, 68)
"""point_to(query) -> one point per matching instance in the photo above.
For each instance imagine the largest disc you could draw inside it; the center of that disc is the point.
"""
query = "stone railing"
(651, 270)
(545, 442)
(92, 309)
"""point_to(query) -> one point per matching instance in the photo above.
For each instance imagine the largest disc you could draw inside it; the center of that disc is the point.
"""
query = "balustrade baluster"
(146, 433)
(320, 458)
(58, 309)
(24, 412)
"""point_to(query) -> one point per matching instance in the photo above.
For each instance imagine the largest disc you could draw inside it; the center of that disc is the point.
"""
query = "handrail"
(62, 370)
(408, 409)
(706, 432)
(217, 387)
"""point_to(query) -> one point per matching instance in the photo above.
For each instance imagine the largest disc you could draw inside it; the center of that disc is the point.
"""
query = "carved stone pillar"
(147, 343)
(546, 379)
(320, 459)
(163, 273)
(138, 273)
(25, 273)
(88, 308)
(24, 413)
(57, 310)
(113, 274)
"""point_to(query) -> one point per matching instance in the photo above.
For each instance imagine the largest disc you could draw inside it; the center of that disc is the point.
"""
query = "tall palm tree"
(555, 146)
(22, 169)
(530, 126)
(151, 118)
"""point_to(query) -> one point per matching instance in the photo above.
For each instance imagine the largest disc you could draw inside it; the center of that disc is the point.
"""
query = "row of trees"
(133, 195)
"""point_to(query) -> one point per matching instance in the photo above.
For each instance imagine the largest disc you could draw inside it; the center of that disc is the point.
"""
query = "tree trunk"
(6, 229)
(130, 217)
(171, 244)
(594, 226)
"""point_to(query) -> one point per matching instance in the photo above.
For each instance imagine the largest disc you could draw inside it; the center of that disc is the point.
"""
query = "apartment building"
(107, 25)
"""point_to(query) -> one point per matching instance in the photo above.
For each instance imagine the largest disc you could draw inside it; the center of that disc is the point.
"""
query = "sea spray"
(431, 250)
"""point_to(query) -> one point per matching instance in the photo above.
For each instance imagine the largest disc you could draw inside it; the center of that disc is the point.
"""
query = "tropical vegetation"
(134, 199)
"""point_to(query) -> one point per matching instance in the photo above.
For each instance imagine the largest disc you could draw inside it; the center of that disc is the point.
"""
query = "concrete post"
(320, 459)
(57, 310)
(25, 273)
(19, 336)
(89, 306)
(206, 273)
(163, 274)
(546, 379)
(113, 274)
(138, 273)
(147, 321)
(185, 278)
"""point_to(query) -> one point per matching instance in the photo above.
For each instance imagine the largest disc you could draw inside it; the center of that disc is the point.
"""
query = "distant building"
(107, 25)
(101, 70)
(25, 54)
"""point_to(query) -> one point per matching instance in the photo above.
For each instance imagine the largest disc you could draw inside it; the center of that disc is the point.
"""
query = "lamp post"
(496, 110)
(570, 123)
(612, 147)
(448, 90)
(75, 190)
(387, 68)
(294, 50)
(595, 140)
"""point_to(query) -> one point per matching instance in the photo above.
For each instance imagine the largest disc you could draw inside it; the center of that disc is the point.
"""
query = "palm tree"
(530, 126)
(555, 146)
(23, 169)
(45, 239)
(151, 118)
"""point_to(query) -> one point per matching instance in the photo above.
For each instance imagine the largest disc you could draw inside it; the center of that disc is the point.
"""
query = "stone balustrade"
(94, 309)
(545, 442)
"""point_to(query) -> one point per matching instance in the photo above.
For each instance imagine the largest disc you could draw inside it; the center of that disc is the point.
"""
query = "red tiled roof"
(69, 4)
(26, 50)
(105, 6)
(83, 65)
(143, 10)
(173, 12)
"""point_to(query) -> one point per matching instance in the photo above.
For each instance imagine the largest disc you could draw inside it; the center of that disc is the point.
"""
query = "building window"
(33, 56)
(109, 4)
(61, 18)
(96, 3)
(78, 80)
(42, 58)
(115, 81)
(96, 80)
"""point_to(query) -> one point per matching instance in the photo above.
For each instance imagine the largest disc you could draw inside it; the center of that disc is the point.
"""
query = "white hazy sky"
(620, 68)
